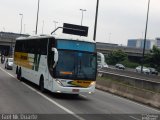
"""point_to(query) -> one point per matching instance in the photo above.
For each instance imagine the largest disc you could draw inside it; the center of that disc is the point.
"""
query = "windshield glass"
(76, 65)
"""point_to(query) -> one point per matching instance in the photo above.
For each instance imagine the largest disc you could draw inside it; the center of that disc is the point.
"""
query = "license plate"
(75, 90)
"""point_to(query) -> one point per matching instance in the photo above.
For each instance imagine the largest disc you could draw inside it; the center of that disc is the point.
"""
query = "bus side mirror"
(55, 56)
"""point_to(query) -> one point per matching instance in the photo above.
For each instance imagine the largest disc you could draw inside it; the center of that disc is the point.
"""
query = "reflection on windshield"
(76, 65)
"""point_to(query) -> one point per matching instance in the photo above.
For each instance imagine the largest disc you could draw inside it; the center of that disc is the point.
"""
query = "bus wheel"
(41, 84)
(17, 70)
(19, 77)
(75, 95)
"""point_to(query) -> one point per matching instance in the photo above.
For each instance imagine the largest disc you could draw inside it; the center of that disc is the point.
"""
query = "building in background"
(158, 42)
(139, 43)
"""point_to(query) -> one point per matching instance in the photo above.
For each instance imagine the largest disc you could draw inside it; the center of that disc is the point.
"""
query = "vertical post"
(145, 36)
(21, 23)
(24, 28)
(95, 25)
(11, 47)
(37, 17)
(83, 10)
(42, 26)
(55, 22)
(82, 18)
(109, 38)
(3, 29)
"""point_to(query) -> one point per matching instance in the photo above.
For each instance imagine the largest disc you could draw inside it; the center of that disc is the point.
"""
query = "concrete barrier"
(143, 96)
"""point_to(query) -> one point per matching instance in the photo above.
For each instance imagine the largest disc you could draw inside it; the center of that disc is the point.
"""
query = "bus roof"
(56, 37)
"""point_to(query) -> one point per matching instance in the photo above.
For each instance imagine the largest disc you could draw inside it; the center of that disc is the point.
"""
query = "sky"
(118, 20)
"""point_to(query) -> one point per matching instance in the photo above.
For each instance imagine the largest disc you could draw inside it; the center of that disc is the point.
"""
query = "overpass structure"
(106, 48)
(7, 42)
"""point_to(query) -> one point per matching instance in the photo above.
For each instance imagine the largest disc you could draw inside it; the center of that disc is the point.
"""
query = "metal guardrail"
(130, 73)
(134, 79)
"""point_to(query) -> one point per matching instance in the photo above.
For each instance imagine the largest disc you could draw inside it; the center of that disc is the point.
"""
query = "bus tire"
(17, 70)
(75, 95)
(19, 74)
(41, 84)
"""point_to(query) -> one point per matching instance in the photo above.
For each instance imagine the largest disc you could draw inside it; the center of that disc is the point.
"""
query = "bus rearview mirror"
(55, 56)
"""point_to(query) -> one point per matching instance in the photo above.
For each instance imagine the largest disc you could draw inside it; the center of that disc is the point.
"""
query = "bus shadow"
(61, 96)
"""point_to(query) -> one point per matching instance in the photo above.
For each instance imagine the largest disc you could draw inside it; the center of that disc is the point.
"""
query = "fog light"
(58, 91)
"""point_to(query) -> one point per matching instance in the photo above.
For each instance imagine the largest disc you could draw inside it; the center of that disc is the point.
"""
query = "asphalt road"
(22, 97)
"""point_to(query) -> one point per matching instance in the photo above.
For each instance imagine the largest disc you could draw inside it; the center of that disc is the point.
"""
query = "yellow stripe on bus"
(22, 59)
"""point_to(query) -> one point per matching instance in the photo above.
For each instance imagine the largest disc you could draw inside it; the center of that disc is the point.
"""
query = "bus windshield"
(76, 65)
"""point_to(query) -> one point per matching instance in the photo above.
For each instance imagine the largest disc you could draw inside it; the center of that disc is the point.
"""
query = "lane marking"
(54, 102)
(134, 118)
(49, 99)
(7, 72)
(82, 96)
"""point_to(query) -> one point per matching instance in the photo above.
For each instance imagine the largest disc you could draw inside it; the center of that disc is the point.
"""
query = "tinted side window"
(24, 46)
(34, 46)
(31, 46)
(18, 46)
(41, 46)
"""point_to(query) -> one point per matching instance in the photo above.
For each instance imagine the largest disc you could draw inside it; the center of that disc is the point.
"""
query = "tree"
(153, 59)
(116, 57)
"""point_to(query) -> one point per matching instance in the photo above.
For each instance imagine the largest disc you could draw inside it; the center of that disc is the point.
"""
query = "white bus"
(59, 65)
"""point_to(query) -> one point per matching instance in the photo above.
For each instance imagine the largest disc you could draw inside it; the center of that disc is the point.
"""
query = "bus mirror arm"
(55, 30)
(55, 56)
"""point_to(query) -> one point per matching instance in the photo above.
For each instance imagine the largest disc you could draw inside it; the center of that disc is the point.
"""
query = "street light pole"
(37, 17)
(21, 22)
(11, 50)
(109, 38)
(3, 29)
(24, 30)
(42, 26)
(145, 36)
(95, 25)
(83, 10)
(55, 22)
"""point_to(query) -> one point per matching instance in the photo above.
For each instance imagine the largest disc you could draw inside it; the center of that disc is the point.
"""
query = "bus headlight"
(59, 82)
(93, 83)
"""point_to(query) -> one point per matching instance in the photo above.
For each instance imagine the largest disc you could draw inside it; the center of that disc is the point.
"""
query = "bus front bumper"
(73, 90)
